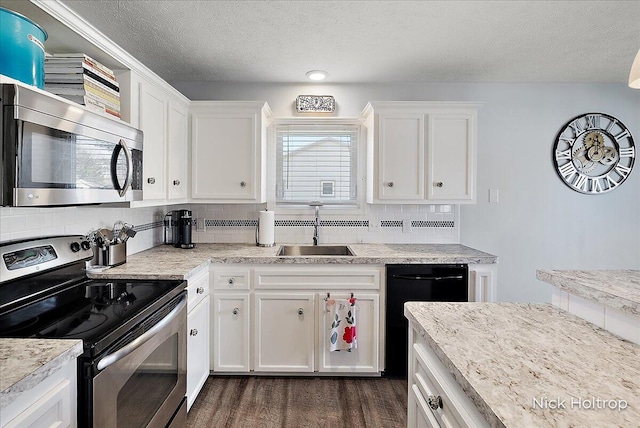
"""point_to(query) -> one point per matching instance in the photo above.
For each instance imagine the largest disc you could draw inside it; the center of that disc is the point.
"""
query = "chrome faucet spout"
(316, 223)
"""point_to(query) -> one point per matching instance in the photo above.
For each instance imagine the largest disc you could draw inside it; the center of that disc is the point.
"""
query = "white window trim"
(361, 206)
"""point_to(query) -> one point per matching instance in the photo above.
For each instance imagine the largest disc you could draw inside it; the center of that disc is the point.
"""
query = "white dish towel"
(342, 330)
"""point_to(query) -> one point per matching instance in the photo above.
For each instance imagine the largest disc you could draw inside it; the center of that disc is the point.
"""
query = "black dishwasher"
(416, 283)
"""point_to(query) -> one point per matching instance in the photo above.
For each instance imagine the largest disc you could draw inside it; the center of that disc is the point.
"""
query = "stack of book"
(79, 78)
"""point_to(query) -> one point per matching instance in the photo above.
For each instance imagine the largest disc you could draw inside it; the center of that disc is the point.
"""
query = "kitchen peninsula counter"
(618, 289)
(533, 364)
(167, 262)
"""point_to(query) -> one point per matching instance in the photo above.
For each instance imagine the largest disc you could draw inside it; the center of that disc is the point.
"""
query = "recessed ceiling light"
(317, 75)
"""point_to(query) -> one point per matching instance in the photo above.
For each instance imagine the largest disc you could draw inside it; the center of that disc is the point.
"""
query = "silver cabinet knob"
(435, 402)
(300, 311)
(232, 281)
(236, 311)
(200, 290)
(390, 184)
(243, 184)
(194, 332)
(151, 180)
(438, 184)
(176, 182)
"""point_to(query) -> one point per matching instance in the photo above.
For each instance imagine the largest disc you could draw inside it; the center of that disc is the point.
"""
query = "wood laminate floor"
(265, 402)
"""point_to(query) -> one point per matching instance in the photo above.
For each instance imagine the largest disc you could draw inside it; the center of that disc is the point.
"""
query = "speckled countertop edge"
(167, 262)
(504, 354)
(618, 289)
(24, 363)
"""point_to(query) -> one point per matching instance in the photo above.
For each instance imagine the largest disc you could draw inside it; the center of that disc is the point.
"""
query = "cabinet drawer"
(432, 379)
(231, 279)
(197, 289)
(51, 410)
(346, 278)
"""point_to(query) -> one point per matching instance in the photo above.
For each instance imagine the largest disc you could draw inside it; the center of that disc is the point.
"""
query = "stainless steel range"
(133, 369)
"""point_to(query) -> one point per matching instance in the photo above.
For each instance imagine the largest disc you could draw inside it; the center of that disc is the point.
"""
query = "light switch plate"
(374, 225)
(406, 226)
(494, 196)
(200, 225)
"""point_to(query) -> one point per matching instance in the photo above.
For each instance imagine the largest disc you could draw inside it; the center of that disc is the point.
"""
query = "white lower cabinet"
(284, 332)
(51, 403)
(363, 359)
(198, 326)
(270, 319)
(434, 397)
(230, 332)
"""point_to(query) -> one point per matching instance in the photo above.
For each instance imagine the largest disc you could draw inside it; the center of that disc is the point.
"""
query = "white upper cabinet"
(162, 116)
(421, 152)
(228, 143)
(177, 143)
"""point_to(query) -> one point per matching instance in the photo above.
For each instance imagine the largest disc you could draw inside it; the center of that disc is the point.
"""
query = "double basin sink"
(315, 250)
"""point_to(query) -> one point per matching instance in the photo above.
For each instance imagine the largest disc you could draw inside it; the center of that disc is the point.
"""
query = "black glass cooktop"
(96, 311)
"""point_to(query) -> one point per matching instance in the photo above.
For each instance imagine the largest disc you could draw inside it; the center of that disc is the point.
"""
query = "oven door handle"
(109, 359)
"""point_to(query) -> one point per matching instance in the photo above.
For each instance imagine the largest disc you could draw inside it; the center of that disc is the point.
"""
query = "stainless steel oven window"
(144, 382)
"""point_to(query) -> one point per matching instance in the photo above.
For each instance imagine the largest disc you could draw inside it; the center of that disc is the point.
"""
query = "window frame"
(293, 208)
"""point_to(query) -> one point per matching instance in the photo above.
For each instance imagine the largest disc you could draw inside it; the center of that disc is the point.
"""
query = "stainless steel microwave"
(57, 153)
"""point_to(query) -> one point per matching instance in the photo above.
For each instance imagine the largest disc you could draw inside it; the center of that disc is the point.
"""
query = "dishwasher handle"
(418, 277)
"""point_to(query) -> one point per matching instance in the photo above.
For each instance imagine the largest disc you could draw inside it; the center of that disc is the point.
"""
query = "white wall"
(539, 222)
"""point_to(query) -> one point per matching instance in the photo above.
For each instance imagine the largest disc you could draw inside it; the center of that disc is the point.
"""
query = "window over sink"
(317, 161)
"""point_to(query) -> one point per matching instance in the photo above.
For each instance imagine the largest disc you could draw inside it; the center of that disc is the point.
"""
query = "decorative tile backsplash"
(236, 223)
(381, 224)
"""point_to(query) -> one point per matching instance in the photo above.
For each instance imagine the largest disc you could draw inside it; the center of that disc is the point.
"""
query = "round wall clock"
(594, 153)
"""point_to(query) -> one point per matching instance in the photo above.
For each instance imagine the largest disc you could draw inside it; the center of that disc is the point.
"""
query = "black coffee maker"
(177, 228)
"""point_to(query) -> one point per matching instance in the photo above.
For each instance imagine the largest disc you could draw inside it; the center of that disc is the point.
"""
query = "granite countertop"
(167, 262)
(505, 355)
(24, 363)
(619, 289)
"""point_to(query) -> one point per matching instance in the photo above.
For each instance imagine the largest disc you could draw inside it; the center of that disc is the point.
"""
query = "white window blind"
(316, 162)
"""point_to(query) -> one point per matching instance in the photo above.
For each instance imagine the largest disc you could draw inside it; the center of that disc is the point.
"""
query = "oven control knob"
(75, 247)
(86, 245)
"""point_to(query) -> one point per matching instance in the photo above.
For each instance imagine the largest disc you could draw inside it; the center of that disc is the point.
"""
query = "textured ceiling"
(375, 41)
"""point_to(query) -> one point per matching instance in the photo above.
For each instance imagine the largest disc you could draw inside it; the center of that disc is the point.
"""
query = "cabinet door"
(450, 157)
(401, 157)
(363, 359)
(177, 149)
(284, 336)
(197, 349)
(230, 333)
(224, 156)
(153, 122)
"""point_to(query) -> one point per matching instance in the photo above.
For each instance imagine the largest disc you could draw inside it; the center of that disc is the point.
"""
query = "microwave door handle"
(109, 359)
(122, 145)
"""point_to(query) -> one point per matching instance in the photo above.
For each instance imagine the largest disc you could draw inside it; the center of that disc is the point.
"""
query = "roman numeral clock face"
(594, 153)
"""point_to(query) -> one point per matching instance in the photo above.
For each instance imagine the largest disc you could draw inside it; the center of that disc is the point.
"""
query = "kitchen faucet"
(316, 224)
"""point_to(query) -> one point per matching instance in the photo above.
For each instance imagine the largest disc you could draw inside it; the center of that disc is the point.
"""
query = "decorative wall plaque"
(315, 103)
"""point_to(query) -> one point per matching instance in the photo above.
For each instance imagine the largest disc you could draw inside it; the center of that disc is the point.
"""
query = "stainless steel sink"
(315, 250)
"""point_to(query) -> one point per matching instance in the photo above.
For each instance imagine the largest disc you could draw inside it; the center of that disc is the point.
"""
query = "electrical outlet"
(406, 226)
(374, 225)
(200, 225)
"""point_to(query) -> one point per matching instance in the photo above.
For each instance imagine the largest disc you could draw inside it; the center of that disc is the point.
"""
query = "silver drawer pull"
(390, 184)
(194, 332)
(243, 184)
(300, 311)
(438, 184)
(435, 402)
(232, 281)
(176, 182)
(200, 290)
(236, 311)
(151, 180)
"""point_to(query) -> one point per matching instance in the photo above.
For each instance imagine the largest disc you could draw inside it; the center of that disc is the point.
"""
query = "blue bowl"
(21, 48)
